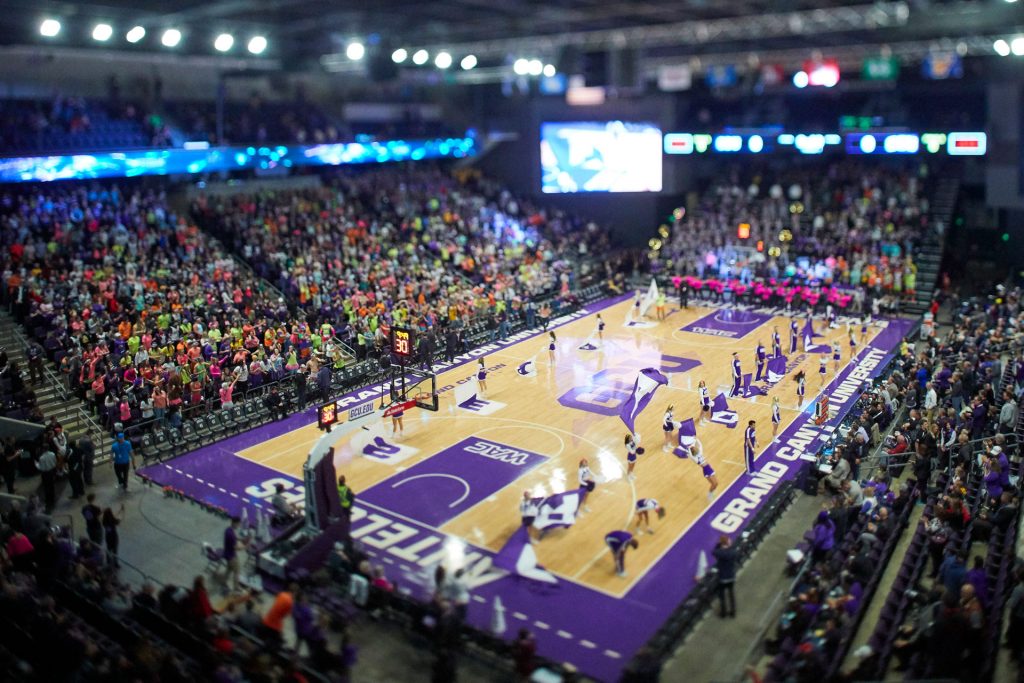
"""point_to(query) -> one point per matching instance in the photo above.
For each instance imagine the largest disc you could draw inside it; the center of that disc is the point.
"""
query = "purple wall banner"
(445, 485)
(732, 323)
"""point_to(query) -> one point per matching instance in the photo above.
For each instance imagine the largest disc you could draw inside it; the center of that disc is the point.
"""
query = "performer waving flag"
(647, 382)
(794, 336)
(776, 342)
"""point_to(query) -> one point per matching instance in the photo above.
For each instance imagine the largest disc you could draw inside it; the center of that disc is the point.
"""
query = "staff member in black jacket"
(726, 559)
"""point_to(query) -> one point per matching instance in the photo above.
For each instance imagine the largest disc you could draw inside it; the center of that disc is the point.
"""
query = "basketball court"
(448, 488)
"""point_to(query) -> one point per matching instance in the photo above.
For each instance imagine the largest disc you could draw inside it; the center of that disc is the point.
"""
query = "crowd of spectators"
(62, 595)
(850, 226)
(958, 435)
(68, 123)
(408, 246)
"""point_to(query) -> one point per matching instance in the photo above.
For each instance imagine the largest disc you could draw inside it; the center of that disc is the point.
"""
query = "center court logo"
(501, 453)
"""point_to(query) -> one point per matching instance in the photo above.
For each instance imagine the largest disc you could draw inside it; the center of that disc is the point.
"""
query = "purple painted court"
(730, 323)
(397, 520)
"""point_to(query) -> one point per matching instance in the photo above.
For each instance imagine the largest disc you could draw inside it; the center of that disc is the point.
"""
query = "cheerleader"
(864, 322)
(668, 426)
(632, 450)
(853, 345)
(587, 482)
(705, 401)
(600, 329)
(776, 417)
(697, 454)
(397, 428)
(661, 306)
(636, 306)
(528, 509)
(801, 387)
(760, 357)
(644, 507)
(551, 346)
(822, 369)
(481, 376)
(776, 342)
(794, 336)
(836, 355)
(831, 315)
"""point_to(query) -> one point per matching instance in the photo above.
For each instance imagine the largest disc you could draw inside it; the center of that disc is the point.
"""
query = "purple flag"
(721, 414)
(519, 557)
(808, 335)
(750, 389)
(776, 369)
(647, 382)
(559, 510)
(687, 437)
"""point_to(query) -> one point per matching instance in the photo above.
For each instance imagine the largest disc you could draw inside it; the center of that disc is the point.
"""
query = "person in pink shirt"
(126, 411)
(226, 391)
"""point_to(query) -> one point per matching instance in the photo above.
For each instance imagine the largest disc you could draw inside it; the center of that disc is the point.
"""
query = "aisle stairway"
(929, 255)
(52, 397)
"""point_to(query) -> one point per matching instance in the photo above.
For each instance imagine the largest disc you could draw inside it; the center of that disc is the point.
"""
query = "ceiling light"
(49, 28)
(223, 42)
(521, 67)
(420, 57)
(136, 34)
(257, 44)
(102, 32)
(443, 60)
(355, 51)
(468, 62)
(399, 55)
(536, 67)
(550, 70)
(1017, 46)
(801, 79)
(1001, 47)
(171, 37)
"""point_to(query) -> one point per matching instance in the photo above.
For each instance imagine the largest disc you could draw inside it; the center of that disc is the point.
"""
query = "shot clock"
(401, 342)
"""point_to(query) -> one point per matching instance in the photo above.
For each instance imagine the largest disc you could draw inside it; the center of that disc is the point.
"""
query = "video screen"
(604, 156)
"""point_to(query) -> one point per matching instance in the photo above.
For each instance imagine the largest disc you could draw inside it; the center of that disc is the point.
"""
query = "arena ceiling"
(310, 28)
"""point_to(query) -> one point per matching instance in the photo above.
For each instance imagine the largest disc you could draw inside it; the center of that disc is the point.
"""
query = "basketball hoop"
(422, 397)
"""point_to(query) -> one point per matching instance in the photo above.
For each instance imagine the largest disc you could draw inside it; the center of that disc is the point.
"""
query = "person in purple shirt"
(750, 447)
(760, 356)
(822, 536)
(979, 412)
(618, 542)
(993, 479)
(978, 578)
(737, 376)
(1004, 465)
(231, 553)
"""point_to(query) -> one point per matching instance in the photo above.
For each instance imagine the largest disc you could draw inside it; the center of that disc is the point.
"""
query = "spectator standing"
(73, 463)
(323, 381)
(273, 620)
(47, 466)
(110, 535)
(93, 519)
(726, 559)
(524, 652)
(88, 451)
(123, 460)
(231, 554)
